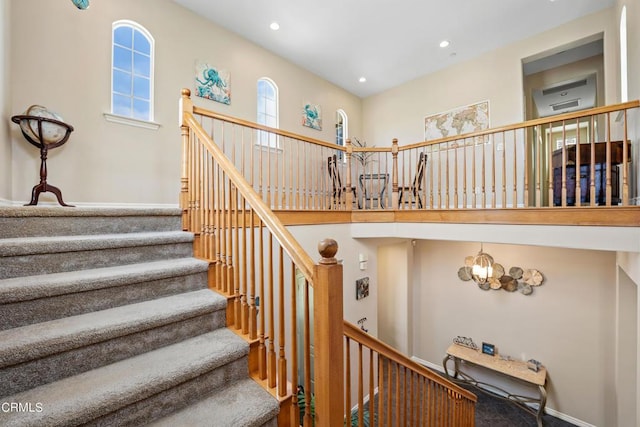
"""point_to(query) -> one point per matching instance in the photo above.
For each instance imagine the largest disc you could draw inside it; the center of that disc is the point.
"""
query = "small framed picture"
(362, 288)
(489, 349)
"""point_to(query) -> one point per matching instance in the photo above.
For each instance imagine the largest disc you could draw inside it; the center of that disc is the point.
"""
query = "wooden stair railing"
(267, 276)
(400, 392)
(269, 280)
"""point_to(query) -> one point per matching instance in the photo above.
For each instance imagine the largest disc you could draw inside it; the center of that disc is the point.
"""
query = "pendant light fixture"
(482, 268)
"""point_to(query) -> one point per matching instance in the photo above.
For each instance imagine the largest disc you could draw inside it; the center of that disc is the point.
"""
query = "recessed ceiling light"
(274, 26)
(444, 43)
(362, 79)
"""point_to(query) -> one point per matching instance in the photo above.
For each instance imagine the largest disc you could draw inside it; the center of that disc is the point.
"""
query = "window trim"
(624, 52)
(345, 130)
(123, 120)
(275, 88)
(117, 118)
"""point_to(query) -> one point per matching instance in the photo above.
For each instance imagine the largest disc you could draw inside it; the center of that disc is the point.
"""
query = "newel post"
(186, 106)
(394, 174)
(349, 193)
(328, 337)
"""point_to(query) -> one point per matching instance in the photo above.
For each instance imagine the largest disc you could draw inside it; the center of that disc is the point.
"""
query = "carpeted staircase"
(106, 320)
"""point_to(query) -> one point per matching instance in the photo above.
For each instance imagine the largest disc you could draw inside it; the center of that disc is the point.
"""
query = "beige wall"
(566, 323)
(633, 45)
(5, 142)
(495, 76)
(626, 351)
(393, 297)
(348, 252)
(630, 262)
(633, 71)
(67, 69)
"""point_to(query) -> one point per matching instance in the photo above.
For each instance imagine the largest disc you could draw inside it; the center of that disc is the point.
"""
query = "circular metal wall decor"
(516, 279)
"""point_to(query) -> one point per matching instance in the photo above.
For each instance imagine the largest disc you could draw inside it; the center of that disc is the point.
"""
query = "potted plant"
(363, 157)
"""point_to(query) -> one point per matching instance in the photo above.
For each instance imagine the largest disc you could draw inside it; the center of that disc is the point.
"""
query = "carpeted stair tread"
(41, 339)
(87, 396)
(46, 285)
(55, 211)
(244, 403)
(55, 221)
(59, 244)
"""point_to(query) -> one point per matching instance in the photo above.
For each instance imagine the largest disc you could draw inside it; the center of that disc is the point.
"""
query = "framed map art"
(467, 119)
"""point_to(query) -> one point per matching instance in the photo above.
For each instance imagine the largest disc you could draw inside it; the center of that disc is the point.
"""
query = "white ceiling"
(389, 42)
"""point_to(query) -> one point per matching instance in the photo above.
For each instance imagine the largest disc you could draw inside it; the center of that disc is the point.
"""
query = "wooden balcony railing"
(581, 159)
(573, 159)
(268, 278)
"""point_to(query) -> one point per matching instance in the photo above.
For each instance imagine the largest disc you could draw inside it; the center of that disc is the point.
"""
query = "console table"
(512, 368)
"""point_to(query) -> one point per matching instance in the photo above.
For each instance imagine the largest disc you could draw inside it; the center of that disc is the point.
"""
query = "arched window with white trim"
(267, 111)
(342, 130)
(132, 71)
(624, 82)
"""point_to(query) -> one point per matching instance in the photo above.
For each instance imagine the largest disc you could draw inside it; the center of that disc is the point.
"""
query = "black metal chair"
(414, 190)
(338, 189)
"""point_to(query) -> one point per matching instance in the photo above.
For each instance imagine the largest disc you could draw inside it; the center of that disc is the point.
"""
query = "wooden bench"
(512, 368)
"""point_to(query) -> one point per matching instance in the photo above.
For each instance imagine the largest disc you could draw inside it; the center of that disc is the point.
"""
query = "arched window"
(624, 84)
(342, 130)
(132, 71)
(267, 111)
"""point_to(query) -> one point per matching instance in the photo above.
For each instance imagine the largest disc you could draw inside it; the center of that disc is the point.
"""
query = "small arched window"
(624, 83)
(267, 111)
(342, 130)
(132, 71)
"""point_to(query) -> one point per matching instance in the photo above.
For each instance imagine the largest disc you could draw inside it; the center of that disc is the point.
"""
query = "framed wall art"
(212, 83)
(362, 288)
(467, 119)
(312, 116)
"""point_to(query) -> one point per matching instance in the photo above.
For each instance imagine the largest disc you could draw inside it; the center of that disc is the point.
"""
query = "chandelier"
(482, 267)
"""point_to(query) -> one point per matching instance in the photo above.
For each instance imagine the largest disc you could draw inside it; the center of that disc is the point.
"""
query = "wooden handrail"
(530, 123)
(353, 332)
(407, 393)
(217, 231)
(276, 131)
(510, 168)
(302, 260)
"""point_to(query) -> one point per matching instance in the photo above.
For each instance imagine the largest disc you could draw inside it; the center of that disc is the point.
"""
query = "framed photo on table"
(489, 349)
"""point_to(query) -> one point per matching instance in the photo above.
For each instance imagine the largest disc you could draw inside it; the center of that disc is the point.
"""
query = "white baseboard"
(550, 411)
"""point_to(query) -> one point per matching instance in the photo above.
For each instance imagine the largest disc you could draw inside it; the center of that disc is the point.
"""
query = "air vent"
(564, 87)
(564, 105)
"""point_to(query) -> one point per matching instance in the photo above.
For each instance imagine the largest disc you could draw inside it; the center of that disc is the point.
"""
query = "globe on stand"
(45, 130)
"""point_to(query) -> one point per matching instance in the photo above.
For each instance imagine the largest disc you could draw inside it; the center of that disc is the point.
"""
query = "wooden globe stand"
(44, 147)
